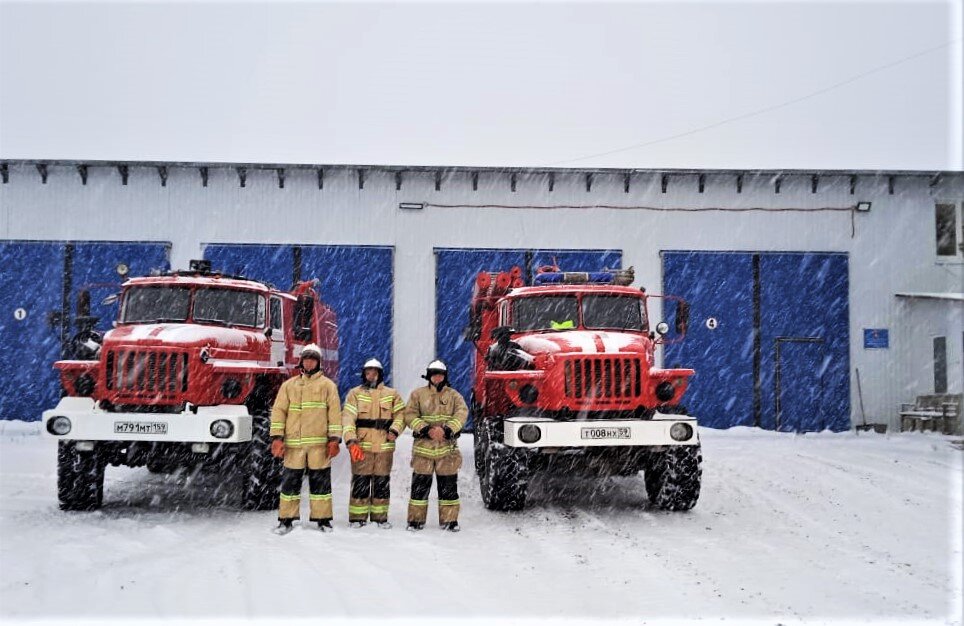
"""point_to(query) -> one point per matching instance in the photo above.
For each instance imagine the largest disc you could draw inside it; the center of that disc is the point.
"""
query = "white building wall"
(892, 251)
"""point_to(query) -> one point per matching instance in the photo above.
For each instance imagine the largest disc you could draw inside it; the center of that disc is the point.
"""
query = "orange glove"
(277, 448)
(355, 452)
(333, 449)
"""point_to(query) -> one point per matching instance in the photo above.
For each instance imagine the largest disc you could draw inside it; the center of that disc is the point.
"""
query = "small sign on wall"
(876, 338)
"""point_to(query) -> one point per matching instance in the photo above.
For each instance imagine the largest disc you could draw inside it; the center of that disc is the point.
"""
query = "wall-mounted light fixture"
(411, 206)
(862, 207)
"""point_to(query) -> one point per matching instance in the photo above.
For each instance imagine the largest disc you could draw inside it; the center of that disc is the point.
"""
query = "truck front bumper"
(541, 432)
(87, 422)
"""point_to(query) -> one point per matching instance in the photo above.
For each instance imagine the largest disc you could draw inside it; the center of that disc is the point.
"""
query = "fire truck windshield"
(229, 307)
(156, 304)
(545, 313)
(613, 312)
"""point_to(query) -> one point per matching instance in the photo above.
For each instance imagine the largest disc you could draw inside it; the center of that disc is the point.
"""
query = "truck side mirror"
(473, 331)
(682, 316)
(304, 314)
(83, 303)
(267, 332)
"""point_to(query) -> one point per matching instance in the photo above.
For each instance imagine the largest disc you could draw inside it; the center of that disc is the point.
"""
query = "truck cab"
(566, 380)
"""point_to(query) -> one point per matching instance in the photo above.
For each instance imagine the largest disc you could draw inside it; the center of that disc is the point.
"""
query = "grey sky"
(485, 84)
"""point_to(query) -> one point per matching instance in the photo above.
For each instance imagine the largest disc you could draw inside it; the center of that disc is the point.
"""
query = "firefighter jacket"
(367, 414)
(307, 411)
(426, 408)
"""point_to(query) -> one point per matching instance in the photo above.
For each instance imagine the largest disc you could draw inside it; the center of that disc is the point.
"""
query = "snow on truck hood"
(585, 341)
(186, 334)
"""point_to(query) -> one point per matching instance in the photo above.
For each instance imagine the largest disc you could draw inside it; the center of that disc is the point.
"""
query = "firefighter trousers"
(370, 492)
(446, 471)
(319, 494)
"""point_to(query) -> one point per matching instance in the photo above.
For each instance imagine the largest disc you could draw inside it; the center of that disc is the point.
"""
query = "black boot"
(415, 526)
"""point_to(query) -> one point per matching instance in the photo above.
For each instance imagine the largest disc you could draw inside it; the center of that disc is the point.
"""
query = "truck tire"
(80, 478)
(261, 472)
(477, 427)
(504, 478)
(673, 478)
(477, 446)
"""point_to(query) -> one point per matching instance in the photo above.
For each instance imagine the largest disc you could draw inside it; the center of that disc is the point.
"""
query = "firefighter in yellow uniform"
(306, 432)
(367, 414)
(436, 414)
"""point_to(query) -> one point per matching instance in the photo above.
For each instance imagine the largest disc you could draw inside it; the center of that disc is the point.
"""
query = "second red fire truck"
(566, 381)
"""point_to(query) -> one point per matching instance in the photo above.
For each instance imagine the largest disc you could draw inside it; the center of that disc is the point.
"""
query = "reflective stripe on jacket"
(363, 403)
(307, 411)
(427, 408)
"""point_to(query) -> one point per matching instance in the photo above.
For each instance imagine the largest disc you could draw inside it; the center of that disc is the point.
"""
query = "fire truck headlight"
(528, 394)
(231, 388)
(59, 425)
(681, 432)
(222, 429)
(530, 433)
(665, 391)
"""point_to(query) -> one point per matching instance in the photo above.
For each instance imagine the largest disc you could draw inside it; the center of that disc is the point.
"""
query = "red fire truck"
(566, 382)
(186, 377)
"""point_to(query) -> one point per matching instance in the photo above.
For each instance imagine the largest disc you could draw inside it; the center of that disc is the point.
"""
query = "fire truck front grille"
(602, 377)
(147, 372)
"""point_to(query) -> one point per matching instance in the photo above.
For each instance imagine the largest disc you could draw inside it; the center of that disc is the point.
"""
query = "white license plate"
(140, 428)
(619, 432)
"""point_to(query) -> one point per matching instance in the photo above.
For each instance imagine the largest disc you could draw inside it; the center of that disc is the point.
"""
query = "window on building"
(946, 220)
(940, 364)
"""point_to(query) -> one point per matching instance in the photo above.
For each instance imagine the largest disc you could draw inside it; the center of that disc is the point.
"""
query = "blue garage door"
(768, 338)
(719, 342)
(455, 271)
(39, 284)
(356, 281)
(805, 320)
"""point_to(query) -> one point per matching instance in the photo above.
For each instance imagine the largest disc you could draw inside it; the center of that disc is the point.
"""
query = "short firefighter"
(367, 414)
(306, 432)
(436, 414)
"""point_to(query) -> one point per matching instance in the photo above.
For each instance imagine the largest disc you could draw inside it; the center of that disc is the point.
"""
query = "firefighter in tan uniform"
(367, 414)
(306, 432)
(436, 414)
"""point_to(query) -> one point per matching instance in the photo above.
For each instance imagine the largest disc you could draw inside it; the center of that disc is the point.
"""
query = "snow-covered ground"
(819, 527)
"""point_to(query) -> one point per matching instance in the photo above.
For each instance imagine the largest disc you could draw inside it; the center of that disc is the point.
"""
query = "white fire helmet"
(373, 363)
(437, 367)
(311, 351)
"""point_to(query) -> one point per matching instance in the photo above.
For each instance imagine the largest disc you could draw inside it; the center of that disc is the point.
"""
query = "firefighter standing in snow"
(367, 414)
(436, 414)
(306, 432)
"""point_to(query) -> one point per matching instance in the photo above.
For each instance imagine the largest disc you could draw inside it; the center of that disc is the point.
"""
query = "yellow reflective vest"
(307, 411)
(426, 408)
(367, 415)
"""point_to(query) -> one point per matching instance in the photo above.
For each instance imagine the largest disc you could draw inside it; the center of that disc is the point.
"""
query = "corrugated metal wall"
(893, 249)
